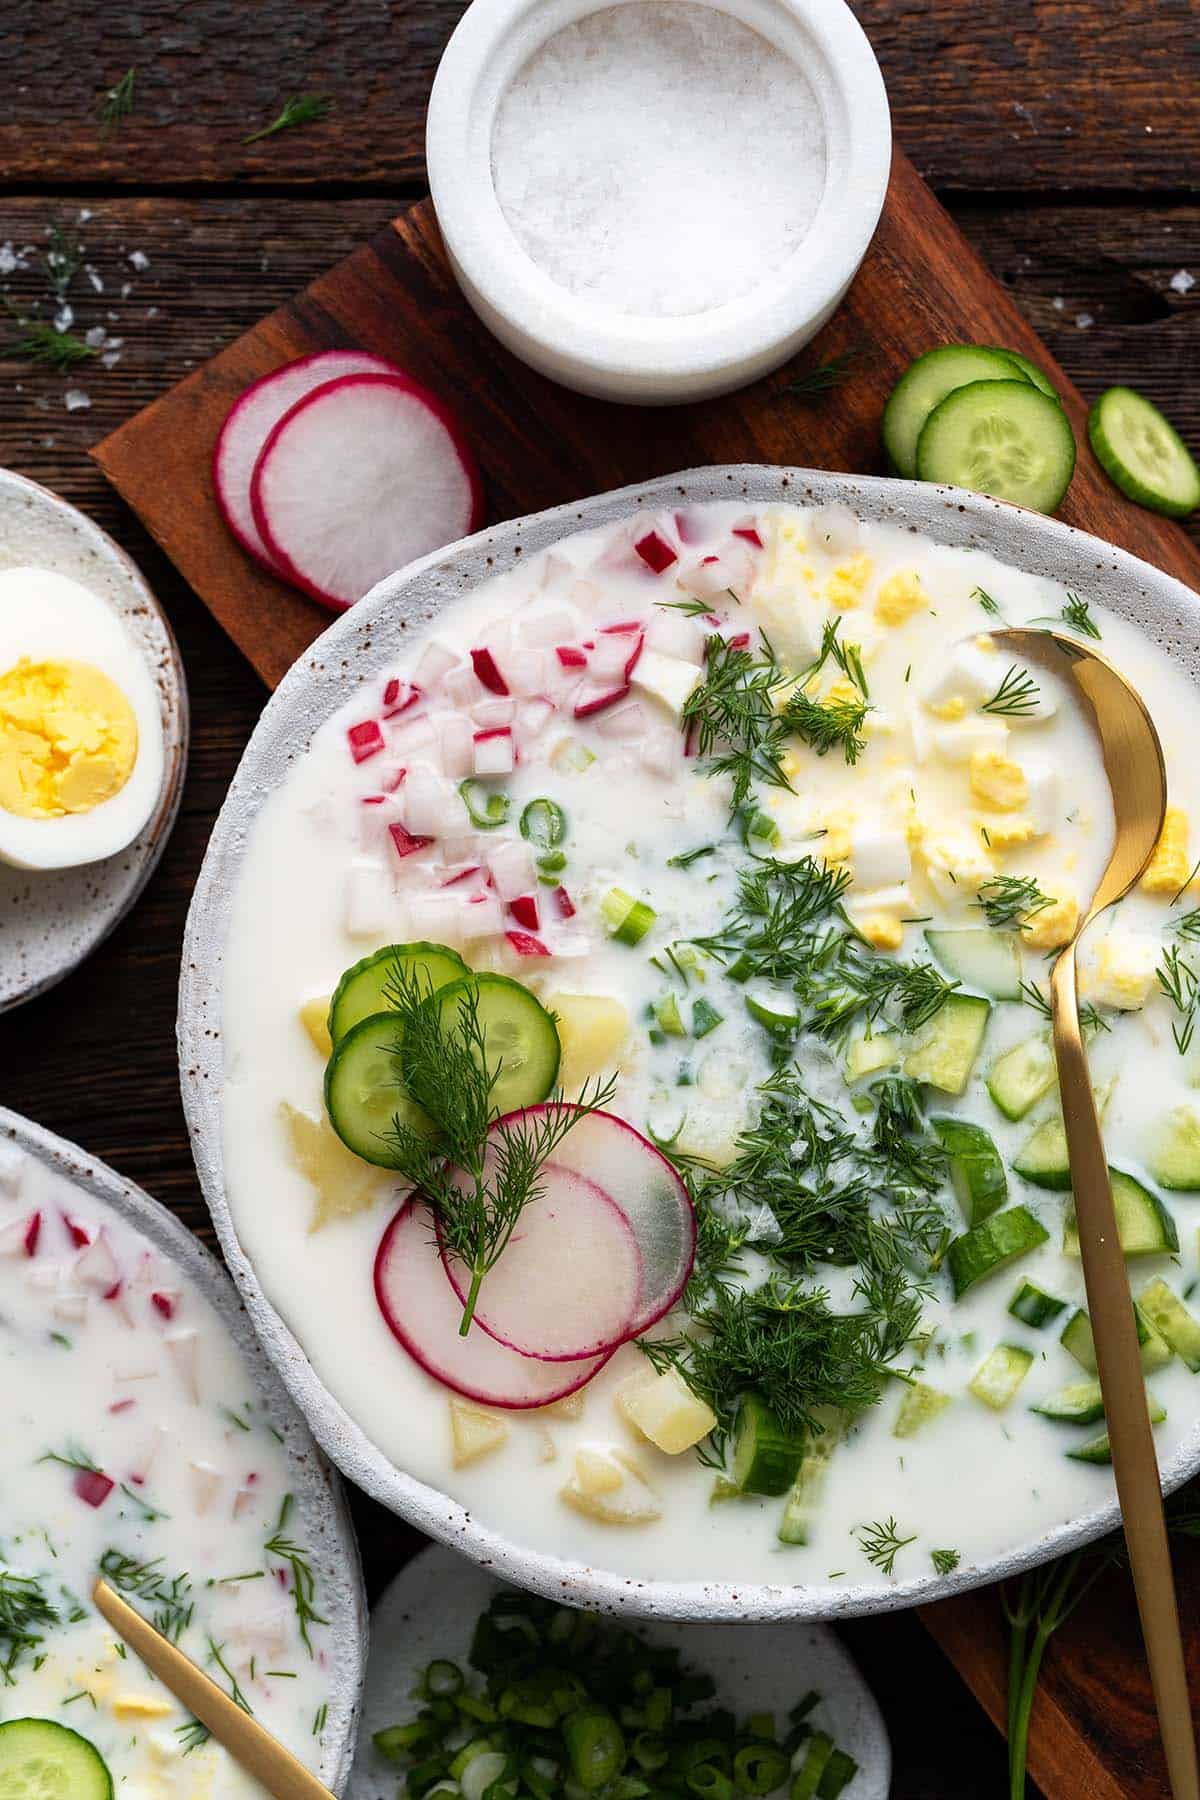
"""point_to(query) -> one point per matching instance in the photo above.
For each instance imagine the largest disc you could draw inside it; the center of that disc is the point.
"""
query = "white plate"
(431, 1608)
(51, 920)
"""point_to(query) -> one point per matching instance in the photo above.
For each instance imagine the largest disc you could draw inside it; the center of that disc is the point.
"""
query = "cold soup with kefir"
(639, 1099)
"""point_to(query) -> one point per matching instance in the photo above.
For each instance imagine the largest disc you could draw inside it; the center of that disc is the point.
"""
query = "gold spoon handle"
(248, 1742)
(1122, 1386)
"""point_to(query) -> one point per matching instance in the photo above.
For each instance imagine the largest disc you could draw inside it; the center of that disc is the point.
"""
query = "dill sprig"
(478, 1180)
(1091, 1019)
(37, 341)
(1187, 925)
(1075, 615)
(827, 725)
(819, 380)
(301, 109)
(192, 1736)
(737, 725)
(146, 1581)
(72, 1456)
(1016, 697)
(1179, 981)
(881, 1543)
(1011, 900)
(944, 1561)
(686, 858)
(23, 1609)
(235, 1692)
(304, 1585)
(116, 102)
(986, 602)
(61, 260)
(848, 657)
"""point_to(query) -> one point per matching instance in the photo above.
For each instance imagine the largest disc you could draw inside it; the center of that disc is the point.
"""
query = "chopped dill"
(1075, 615)
(687, 857)
(35, 340)
(1011, 900)
(72, 1456)
(944, 1561)
(1178, 980)
(819, 380)
(985, 600)
(1187, 925)
(170, 1597)
(61, 260)
(881, 1543)
(827, 725)
(1016, 697)
(304, 1586)
(192, 1736)
(235, 1692)
(116, 102)
(738, 727)
(24, 1608)
(1091, 1019)
(301, 109)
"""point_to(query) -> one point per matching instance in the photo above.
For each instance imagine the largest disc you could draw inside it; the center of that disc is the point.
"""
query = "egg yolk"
(68, 738)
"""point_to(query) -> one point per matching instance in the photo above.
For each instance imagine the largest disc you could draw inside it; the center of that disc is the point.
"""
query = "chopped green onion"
(487, 808)
(705, 1018)
(759, 830)
(709, 1783)
(397, 1740)
(552, 863)
(772, 1013)
(650, 1751)
(595, 1745)
(742, 968)
(628, 919)
(443, 1679)
(544, 823)
(667, 1014)
(808, 1776)
(762, 1767)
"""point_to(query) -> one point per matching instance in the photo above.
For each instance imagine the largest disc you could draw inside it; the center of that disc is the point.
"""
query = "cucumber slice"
(1144, 1225)
(924, 384)
(1174, 1160)
(1004, 438)
(1175, 1323)
(365, 1091)
(360, 992)
(990, 1247)
(976, 1171)
(1043, 1158)
(987, 961)
(945, 1052)
(867, 1055)
(1076, 1338)
(1029, 370)
(1019, 1078)
(1034, 1306)
(1000, 1374)
(520, 1039)
(795, 1524)
(776, 1012)
(1098, 1449)
(1079, 1403)
(40, 1760)
(766, 1458)
(1143, 453)
(920, 1406)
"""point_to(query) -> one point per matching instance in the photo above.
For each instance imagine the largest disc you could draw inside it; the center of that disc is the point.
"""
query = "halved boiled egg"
(81, 742)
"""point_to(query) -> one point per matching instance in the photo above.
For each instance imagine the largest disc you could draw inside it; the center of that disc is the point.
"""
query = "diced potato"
(475, 1431)
(592, 1029)
(591, 1490)
(1168, 868)
(344, 1184)
(665, 1410)
(1121, 970)
(569, 1407)
(314, 1016)
(666, 678)
(140, 1706)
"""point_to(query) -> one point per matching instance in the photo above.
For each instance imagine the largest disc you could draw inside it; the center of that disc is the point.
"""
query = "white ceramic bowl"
(588, 346)
(366, 640)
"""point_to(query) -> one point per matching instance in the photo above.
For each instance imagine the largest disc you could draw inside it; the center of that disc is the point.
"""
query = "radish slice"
(362, 476)
(423, 1313)
(252, 419)
(569, 1283)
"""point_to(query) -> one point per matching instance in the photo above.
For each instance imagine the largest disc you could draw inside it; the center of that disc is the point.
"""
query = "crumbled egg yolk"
(1052, 926)
(140, 1706)
(1123, 972)
(986, 643)
(1168, 868)
(883, 930)
(952, 710)
(68, 738)
(998, 781)
(1006, 834)
(844, 589)
(841, 692)
(899, 598)
(955, 861)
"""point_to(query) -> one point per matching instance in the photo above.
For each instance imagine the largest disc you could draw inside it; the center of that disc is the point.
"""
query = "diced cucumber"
(667, 1016)
(945, 1051)
(1173, 1321)
(989, 1247)
(363, 988)
(976, 1171)
(818, 1752)
(1143, 453)
(920, 1406)
(41, 1760)
(1077, 1339)
(1029, 370)
(867, 1055)
(520, 1039)
(1174, 1160)
(705, 1017)
(1004, 438)
(1079, 1403)
(628, 920)
(1000, 1374)
(1144, 1225)
(765, 1456)
(775, 1011)
(795, 1524)
(926, 382)
(987, 961)
(365, 1090)
(1034, 1306)
(1018, 1079)
(1098, 1449)
(1043, 1157)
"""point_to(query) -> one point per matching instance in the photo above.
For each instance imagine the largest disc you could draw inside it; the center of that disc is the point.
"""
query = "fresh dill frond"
(192, 1736)
(848, 657)
(72, 1456)
(235, 1692)
(733, 711)
(1016, 697)
(900, 1135)
(146, 1581)
(687, 857)
(37, 341)
(944, 1561)
(827, 725)
(1075, 615)
(1091, 1019)
(116, 102)
(24, 1610)
(1187, 925)
(61, 260)
(304, 1585)
(1178, 980)
(881, 1543)
(301, 109)
(986, 602)
(1011, 900)
(691, 607)
(826, 375)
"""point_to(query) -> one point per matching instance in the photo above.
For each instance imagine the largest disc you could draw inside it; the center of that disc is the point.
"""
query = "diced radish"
(206, 1485)
(33, 1231)
(622, 628)
(536, 715)
(462, 687)
(525, 944)
(360, 477)
(71, 1308)
(632, 660)
(564, 902)
(749, 533)
(717, 578)
(97, 1267)
(494, 751)
(370, 897)
(438, 917)
(454, 735)
(625, 723)
(183, 1349)
(378, 812)
(120, 1406)
(487, 715)
(674, 633)
(739, 640)
(423, 1314)
(79, 1235)
(512, 870)
(435, 663)
(427, 798)
(596, 699)
(92, 1487)
(251, 421)
(481, 918)
(570, 1280)
(413, 740)
(164, 1303)
(486, 671)
(570, 657)
(390, 777)
(655, 552)
(365, 740)
(660, 752)
(399, 696)
(607, 661)
(461, 875)
(524, 910)
(546, 628)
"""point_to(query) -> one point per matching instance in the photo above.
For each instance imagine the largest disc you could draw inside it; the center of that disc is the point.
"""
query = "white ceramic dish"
(587, 346)
(51, 920)
(364, 642)
(431, 1607)
(323, 1520)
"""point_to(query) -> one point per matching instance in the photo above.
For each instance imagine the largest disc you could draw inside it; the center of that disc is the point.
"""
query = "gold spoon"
(244, 1738)
(1133, 762)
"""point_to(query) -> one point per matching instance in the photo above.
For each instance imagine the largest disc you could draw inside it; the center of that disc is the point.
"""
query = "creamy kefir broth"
(920, 821)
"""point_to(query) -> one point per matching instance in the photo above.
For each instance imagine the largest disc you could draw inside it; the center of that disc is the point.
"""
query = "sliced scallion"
(486, 807)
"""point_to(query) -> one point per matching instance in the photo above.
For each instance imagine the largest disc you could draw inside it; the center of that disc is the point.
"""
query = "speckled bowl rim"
(324, 1518)
(354, 650)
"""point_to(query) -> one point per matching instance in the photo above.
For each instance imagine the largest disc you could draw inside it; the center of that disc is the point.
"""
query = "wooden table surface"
(1062, 134)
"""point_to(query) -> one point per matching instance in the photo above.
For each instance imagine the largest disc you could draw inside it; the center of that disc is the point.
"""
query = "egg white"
(45, 616)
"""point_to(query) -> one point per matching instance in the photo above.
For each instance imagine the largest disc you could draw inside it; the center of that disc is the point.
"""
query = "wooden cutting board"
(921, 284)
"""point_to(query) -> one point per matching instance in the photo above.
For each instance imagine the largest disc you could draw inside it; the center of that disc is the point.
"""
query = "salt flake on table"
(138, 259)
(1182, 281)
(75, 400)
